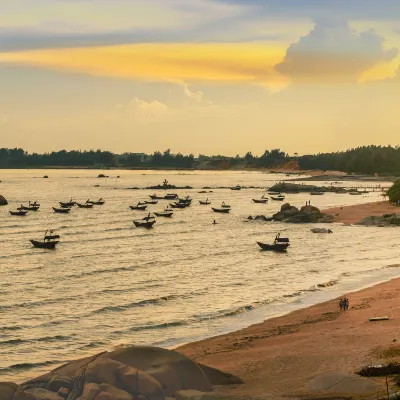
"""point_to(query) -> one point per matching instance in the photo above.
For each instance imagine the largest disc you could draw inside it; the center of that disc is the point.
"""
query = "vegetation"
(394, 192)
(361, 160)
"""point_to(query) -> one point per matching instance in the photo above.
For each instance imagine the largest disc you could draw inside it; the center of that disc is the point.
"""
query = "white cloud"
(333, 51)
(142, 111)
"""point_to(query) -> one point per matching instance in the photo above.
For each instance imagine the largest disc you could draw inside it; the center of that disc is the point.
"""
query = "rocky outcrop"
(381, 221)
(3, 201)
(287, 187)
(259, 218)
(132, 373)
(307, 214)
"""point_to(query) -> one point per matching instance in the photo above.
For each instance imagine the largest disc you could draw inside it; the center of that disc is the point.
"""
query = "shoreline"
(279, 356)
(355, 213)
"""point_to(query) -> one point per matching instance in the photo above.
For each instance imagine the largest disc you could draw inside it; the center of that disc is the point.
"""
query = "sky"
(199, 76)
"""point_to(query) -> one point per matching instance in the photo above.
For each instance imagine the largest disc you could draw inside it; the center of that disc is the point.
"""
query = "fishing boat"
(223, 205)
(49, 242)
(170, 196)
(87, 205)
(185, 200)
(237, 187)
(99, 202)
(19, 213)
(278, 198)
(150, 201)
(316, 193)
(221, 210)
(29, 208)
(155, 197)
(67, 204)
(61, 210)
(34, 204)
(139, 207)
(274, 193)
(204, 203)
(262, 201)
(146, 222)
(355, 193)
(141, 203)
(167, 213)
(279, 244)
(179, 205)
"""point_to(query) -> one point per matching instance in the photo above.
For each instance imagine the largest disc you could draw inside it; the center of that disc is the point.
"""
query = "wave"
(46, 339)
(144, 303)
(26, 366)
(10, 328)
(38, 303)
(151, 326)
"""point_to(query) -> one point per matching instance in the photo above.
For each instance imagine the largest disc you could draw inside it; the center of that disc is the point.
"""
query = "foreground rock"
(133, 373)
(3, 201)
(307, 214)
(381, 221)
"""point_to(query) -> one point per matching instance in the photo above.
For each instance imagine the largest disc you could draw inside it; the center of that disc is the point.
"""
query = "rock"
(320, 230)
(102, 176)
(43, 394)
(217, 377)
(345, 383)
(173, 370)
(91, 391)
(46, 177)
(194, 395)
(3, 201)
(249, 217)
(116, 394)
(381, 221)
(12, 391)
(307, 214)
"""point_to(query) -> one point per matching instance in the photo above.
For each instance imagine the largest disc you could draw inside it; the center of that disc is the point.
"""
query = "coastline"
(280, 355)
(355, 213)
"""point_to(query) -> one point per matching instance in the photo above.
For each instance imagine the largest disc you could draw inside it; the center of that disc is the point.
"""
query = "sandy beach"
(279, 356)
(355, 213)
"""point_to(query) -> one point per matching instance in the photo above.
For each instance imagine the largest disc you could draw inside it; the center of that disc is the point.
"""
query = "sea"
(109, 283)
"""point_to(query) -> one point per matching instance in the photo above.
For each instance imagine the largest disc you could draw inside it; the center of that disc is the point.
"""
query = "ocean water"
(109, 283)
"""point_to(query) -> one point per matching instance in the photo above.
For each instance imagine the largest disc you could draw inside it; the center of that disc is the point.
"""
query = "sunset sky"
(199, 76)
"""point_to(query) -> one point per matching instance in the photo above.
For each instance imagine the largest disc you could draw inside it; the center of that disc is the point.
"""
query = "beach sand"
(280, 355)
(354, 214)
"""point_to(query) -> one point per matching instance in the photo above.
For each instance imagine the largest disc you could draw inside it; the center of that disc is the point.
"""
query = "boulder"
(286, 207)
(194, 395)
(43, 394)
(173, 370)
(12, 391)
(310, 209)
(307, 214)
(3, 201)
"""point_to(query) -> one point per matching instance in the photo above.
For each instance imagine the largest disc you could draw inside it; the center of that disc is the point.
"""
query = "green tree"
(394, 192)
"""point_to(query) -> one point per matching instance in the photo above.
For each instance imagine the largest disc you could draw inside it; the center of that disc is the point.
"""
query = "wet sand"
(280, 355)
(355, 213)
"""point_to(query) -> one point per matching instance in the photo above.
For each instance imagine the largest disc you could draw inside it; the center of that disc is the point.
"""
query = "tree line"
(360, 160)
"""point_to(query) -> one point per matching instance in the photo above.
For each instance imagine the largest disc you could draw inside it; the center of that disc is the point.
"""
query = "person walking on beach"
(341, 304)
(346, 304)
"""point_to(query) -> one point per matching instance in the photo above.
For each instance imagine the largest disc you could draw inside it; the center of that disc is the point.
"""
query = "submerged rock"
(381, 221)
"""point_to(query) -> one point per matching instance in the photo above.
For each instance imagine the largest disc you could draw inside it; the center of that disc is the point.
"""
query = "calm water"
(109, 283)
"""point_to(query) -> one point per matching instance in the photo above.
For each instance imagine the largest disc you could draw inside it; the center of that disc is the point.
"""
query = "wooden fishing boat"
(155, 197)
(150, 201)
(170, 196)
(44, 245)
(316, 193)
(139, 207)
(223, 205)
(61, 210)
(146, 222)
(278, 198)
(185, 201)
(237, 187)
(274, 193)
(67, 204)
(84, 205)
(205, 203)
(279, 244)
(262, 201)
(20, 213)
(28, 208)
(34, 204)
(221, 210)
(179, 205)
(165, 214)
(99, 202)
(355, 193)
(50, 241)
(141, 203)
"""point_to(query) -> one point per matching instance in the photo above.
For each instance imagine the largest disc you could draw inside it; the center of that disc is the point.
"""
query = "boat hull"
(262, 201)
(18, 213)
(61, 210)
(84, 205)
(278, 247)
(221, 210)
(165, 215)
(147, 224)
(44, 245)
(138, 208)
